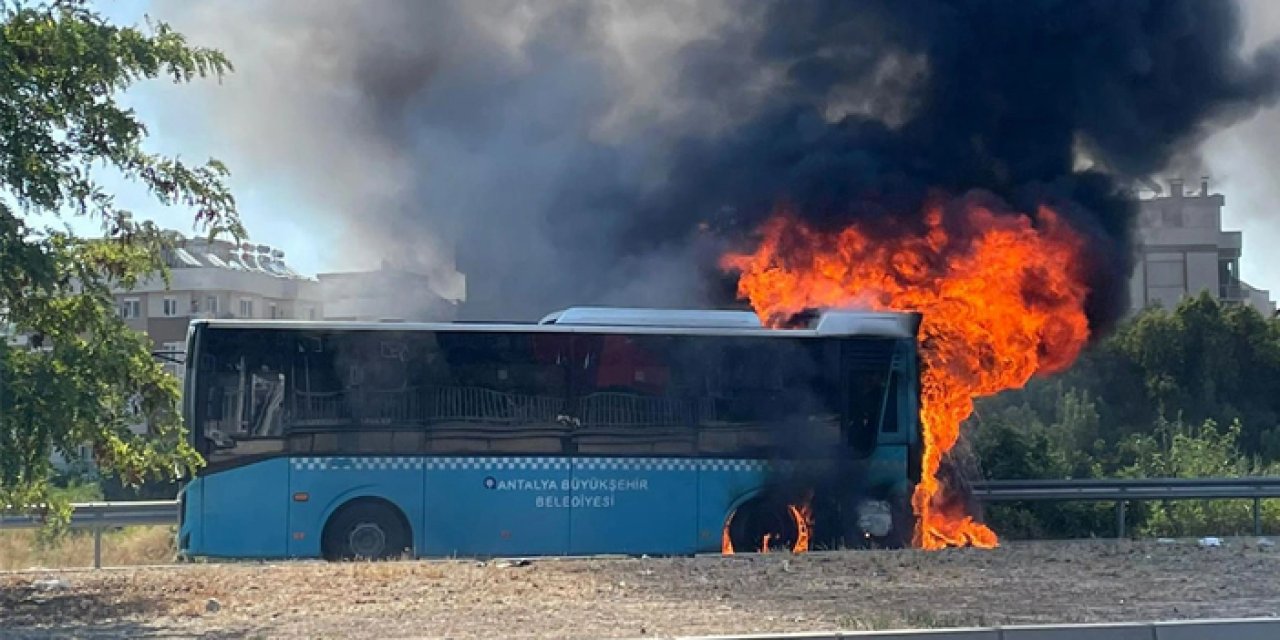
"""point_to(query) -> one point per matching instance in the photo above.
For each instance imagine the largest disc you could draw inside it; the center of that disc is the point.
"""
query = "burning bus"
(594, 431)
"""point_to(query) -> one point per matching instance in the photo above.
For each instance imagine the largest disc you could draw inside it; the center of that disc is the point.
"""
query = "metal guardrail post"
(97, 542)
(1257, 516)
(1120, 514)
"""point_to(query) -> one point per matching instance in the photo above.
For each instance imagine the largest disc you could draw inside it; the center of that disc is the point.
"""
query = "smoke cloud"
(607, 152)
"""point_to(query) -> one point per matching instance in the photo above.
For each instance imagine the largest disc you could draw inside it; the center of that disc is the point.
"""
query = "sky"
(1238, 161)
(269, 212)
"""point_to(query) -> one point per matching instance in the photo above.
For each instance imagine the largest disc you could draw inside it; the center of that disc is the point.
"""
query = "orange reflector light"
(301, 497)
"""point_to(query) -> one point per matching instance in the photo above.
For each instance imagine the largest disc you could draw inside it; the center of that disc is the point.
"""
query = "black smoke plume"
(607, 152)
(1008, 97)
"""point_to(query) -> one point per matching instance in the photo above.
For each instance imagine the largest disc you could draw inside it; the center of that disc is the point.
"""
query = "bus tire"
(366, 529)
(757, 518)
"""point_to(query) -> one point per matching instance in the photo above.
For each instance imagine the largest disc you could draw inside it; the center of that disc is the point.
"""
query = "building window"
(131, 308)
(272, 310)
(1229, 287)
(1166, 274)
(212, 304)
(246, 308)
(170, 307)
(311, 313)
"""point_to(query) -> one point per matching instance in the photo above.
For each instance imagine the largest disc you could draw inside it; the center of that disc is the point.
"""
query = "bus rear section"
(338, 441)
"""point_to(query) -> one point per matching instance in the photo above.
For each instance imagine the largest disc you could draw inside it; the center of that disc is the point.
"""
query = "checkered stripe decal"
(359, 463)
(490, 464)
(636, 464)
(729, 464)
(474, 463)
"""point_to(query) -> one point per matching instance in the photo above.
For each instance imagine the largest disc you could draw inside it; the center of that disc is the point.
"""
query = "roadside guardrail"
(100, 516)
(1125, 490)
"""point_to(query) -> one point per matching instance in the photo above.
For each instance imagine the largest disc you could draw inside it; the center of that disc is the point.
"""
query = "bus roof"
(833, 323)
(670, 318)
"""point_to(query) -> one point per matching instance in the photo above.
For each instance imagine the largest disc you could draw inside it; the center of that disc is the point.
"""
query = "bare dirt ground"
(636, 598)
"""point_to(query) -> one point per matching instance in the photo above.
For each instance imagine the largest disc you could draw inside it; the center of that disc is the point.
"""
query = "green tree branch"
(87, 378)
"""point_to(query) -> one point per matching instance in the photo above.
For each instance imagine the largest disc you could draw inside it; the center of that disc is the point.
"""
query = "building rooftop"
(202, 253)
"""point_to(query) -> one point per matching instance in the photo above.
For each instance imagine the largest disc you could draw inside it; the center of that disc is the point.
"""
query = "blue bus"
(593, 431)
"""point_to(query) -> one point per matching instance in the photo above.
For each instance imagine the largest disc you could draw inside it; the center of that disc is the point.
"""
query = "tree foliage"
(1188, 392)
(86, 377)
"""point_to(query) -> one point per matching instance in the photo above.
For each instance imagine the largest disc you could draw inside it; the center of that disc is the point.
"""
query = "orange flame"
(803, 515)
(1000, 303)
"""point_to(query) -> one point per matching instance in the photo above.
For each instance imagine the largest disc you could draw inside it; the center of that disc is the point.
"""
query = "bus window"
(241, 399)
(385, 392)
(267, 396)
(636, 395)
(360, 391)
(768, 394)
(872, 405)
(320, 396)
(498, 392)
(890, 422)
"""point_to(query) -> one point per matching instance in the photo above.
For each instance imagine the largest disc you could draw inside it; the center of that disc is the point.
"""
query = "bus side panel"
(634, 506)
(496, 506)
(722, 485)
(190, 534)
(246, 511)
(332, 481)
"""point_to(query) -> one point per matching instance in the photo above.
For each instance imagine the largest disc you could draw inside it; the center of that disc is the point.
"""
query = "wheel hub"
(367, 540)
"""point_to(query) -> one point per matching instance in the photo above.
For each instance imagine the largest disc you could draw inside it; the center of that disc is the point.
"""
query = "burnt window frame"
(571, 386)
(210, 356)
(437, 359)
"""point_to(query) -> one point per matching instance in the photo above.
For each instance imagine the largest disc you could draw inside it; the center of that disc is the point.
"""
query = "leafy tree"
(1013, 442)
(1206, 361)
(1178, 450)
(86, 378)
(1125, 409)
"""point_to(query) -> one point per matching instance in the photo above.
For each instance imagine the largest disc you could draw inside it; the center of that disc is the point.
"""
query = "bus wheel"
(760, 526)
(365, 530)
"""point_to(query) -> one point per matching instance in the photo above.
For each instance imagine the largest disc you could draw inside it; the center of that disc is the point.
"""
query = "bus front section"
(844, 446)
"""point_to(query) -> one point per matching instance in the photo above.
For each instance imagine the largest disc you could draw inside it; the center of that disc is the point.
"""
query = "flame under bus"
(595, 431)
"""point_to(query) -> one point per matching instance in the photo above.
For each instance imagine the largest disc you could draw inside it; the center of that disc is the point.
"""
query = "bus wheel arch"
(757, 523)
(366, 528)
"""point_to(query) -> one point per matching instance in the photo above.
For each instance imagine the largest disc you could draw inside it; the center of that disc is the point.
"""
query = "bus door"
(245, 488)
(634, 486)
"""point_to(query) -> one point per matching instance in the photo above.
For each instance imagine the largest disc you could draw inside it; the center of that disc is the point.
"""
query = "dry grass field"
(637, 598)
(19, 549)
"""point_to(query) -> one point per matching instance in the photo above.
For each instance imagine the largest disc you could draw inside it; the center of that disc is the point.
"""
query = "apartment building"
(1183, 250)
(390, 293)
(217, 279)
(221, 279)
